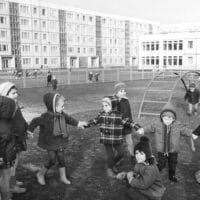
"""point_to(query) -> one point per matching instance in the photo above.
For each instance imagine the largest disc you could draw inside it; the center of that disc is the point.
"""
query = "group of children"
(115, 125)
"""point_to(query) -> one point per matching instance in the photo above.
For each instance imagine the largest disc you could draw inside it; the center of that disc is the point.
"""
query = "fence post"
(24, 78)
(117, 75)
(68, 77)
(103, 74)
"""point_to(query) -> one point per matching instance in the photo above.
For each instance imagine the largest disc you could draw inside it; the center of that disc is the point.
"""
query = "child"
(54, 82)
(111, 133)
(53, 135)
(7, 146)
(49, 77)
(192, 97)
(124, 107)
(9, 90)
(168, 133)
(144, 181)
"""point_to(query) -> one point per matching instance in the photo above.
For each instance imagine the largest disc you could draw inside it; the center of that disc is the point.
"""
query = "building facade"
(37, 34)
(170, 51)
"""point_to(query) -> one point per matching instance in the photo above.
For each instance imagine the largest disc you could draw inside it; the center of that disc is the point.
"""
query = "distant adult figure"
(49, 77)
(96, 77)
(35, 73)
(90, 76)
(54, 82)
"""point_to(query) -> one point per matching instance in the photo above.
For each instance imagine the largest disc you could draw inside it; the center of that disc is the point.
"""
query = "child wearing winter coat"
(20, 125)
(144, 182)
(168, 132)
(192, 97)
(54, 82)
(7, 145)
(123, 106)
(111, 126)
(53, 135)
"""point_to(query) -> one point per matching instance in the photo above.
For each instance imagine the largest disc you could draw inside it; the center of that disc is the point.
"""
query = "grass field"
(86, 158)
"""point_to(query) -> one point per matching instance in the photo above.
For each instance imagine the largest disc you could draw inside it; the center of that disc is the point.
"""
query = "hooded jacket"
(192, 97)
(47, 140)
(7, 139)
(172, 139)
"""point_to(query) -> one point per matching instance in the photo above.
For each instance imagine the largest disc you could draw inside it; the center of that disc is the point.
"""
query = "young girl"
(19, 124)
(145, 181)
(123, 106)
(53, 135)
(111, 133)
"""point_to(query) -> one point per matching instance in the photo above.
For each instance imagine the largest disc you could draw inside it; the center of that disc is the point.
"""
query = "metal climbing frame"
(152, 97)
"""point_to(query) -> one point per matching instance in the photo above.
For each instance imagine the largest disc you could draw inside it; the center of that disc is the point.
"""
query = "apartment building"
(170, 51)
(37, 34)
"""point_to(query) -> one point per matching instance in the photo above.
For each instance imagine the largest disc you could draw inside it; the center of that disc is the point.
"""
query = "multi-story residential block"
(37, 34)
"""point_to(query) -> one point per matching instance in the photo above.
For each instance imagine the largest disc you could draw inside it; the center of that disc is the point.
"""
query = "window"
(90, 18)
(143, 46)
(44, 24)
(147, 60)
(83, 17)
(152, 60)
(43, 11)
(175, 60)
(152, 46)
(157, 46)
(157, 60)
(37, 61)
(45, 61)
(165, 45)
(170, 45)
(70, 49)
(165, 61)
(2, 6)
(35, 36)
(45, 49)
(44, 36)
(35, 22)
(169, 60)
(148, 46)
(175, 45)
(180, 61)
(36, 48)
(34, 10)
(78, 50)
(2, 20)
(181, 45)
(3, 34)
(190, 44)
(190, 60)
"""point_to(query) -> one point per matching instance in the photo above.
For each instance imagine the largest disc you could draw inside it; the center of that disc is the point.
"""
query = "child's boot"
(110, 173)
(63, 177)
(40, 176)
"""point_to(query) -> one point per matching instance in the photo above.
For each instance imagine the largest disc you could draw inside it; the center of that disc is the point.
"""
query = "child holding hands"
(53, 135)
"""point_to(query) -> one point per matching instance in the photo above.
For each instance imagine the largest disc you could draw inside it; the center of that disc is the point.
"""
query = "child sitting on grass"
(53, 135)
(144, 182)
(111, 126)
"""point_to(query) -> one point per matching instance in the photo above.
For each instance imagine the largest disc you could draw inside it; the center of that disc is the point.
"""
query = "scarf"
(167, 132)
(59, 125)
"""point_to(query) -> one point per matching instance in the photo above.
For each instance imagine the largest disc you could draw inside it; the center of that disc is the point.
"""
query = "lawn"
(85, 157)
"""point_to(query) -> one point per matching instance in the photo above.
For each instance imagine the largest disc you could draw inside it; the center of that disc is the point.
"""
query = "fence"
(33, 78)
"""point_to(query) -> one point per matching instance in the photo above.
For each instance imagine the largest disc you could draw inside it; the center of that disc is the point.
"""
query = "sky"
(163, 11)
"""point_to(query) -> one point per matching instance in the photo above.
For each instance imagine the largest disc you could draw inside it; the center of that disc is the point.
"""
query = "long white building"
(36, 34)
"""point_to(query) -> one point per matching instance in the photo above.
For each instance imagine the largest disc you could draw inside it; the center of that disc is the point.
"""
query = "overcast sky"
(164, 11)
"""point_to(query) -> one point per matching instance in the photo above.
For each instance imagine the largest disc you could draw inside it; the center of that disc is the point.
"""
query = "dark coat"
(20, 130)
(124, 108)
(148, 181)
(7, 139)
(54, 83)
(192, 97)
(47, 140)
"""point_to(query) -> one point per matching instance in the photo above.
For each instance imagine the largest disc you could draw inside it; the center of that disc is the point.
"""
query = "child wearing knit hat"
(145, 181)
(19, 124)
(111, 125)
(192, 96)
(124, 107)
